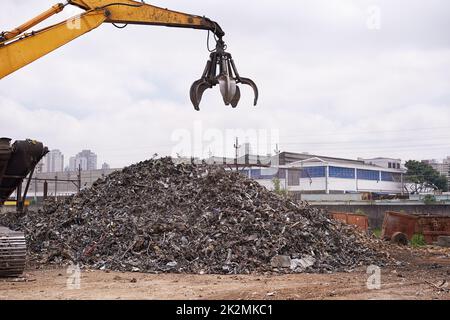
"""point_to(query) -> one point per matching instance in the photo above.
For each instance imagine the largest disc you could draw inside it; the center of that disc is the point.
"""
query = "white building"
(384, 162)
(86, 160)
(52, 162)
(325, 175)
(446, 167)
(442, 167)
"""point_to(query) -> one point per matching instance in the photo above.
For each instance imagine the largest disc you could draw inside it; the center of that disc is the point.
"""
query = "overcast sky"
(335, 79)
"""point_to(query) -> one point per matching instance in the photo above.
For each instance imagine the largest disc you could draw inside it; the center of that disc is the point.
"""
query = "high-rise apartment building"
(442, 167)
(86, 160)
(52, 162)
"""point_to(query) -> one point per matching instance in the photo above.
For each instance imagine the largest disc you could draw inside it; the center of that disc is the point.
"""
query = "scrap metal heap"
(156, 216)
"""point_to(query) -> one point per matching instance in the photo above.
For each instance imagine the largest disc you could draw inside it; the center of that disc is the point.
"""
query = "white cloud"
(327, 83)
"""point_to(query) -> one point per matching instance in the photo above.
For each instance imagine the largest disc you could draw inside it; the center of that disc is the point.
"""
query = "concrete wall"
(376, 211)
(345, 197)
(314, 184)
(268, 184)
(378, 186)
(421, 197)
(342, 184)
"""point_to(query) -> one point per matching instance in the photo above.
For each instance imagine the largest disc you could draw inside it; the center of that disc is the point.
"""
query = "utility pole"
(236, 147)
(19, 203)
(35, 190)
(276, 157)
(277, 151)
(45, 195)
(79, 178)
(56, 187)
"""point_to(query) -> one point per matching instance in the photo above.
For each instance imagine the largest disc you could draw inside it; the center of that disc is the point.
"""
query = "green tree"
(442, 183)
(277, 187)
(423, 177)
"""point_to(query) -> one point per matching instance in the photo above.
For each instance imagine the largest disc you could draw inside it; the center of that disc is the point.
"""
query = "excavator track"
(13, 250)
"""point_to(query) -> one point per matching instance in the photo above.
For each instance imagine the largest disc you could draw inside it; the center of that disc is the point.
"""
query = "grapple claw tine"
(197, 90)
(227, 88)
(236, 97)
(201, 89)
(193, 94)
(252, 84)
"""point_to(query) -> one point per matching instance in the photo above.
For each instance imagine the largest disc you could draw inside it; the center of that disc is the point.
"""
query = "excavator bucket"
(221, 70)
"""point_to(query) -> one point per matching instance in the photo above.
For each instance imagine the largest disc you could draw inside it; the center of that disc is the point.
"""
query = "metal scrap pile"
(156, 216)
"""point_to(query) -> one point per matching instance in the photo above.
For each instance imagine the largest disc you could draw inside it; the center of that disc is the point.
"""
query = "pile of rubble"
(156, 216)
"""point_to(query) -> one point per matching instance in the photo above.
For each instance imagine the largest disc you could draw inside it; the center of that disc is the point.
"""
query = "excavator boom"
(17, 49)
(132, 12)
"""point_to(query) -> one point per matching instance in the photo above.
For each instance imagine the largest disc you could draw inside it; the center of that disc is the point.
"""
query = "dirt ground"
(424, 274)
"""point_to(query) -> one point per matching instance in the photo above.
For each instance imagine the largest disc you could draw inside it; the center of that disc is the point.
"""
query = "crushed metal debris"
(156, 216)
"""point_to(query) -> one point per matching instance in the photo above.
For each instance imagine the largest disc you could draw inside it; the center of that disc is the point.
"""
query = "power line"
(378, 148)
(339, 132)
(331, 142)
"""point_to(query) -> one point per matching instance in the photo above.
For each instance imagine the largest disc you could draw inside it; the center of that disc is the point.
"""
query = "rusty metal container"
(430, 226)
(359, 220)
(433, 227)
(395, 222)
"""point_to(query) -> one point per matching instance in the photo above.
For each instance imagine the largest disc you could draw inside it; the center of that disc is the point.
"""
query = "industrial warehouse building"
(310, 174)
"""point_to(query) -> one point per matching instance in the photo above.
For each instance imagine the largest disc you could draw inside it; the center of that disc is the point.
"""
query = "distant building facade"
(442, 167)
(52, 162)
(40, 166)
(312, 174)
(387, 163)
(106, 166)
(86, 160)
(447, 168)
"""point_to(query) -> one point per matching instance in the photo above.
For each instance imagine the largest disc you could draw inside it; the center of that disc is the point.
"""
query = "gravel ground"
(419, 278)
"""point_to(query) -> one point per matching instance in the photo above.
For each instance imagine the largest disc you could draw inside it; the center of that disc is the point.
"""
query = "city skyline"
(54, 161)
(245, 148)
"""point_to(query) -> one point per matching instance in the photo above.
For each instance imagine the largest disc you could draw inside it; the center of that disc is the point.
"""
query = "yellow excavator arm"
(19, 48)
